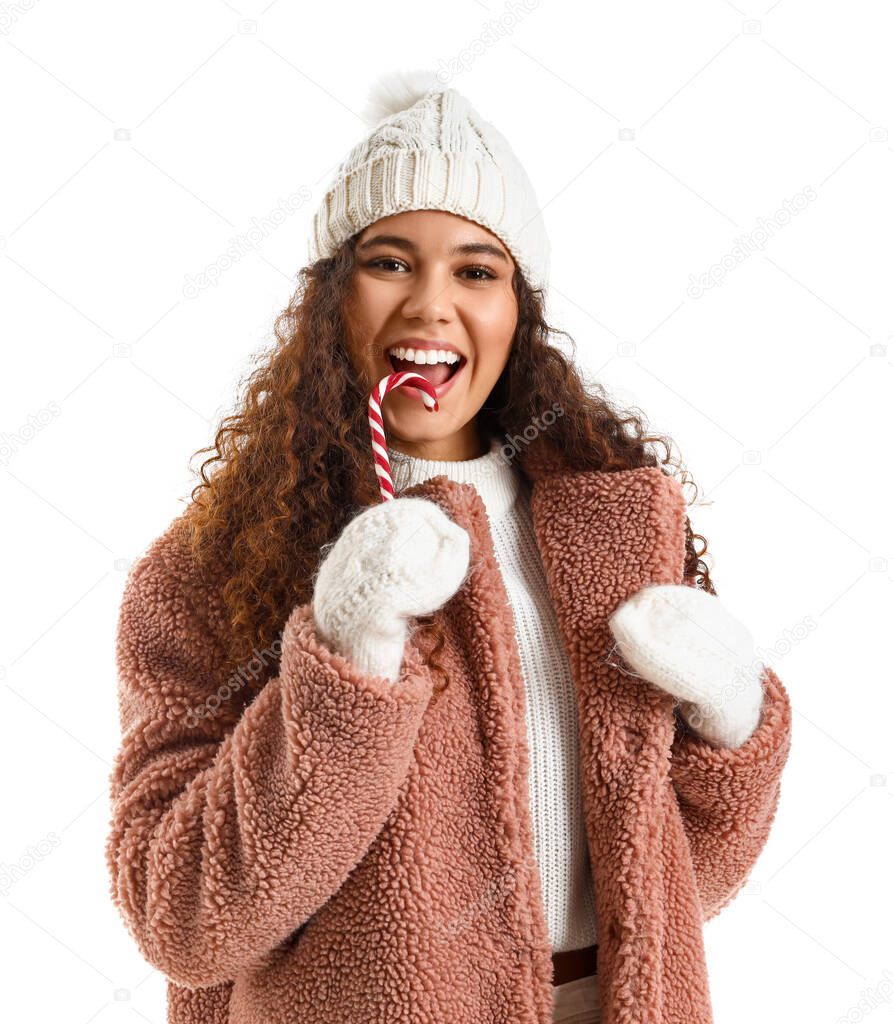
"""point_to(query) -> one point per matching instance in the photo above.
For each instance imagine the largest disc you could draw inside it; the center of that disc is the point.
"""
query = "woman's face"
(432, 276)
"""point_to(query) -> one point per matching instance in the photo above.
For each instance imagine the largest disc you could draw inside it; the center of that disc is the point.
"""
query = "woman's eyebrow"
(466, 249)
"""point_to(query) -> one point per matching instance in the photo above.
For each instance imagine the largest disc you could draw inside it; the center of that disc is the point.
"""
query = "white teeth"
(424, 356)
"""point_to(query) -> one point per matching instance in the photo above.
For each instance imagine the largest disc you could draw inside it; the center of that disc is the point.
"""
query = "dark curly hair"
(295, 465)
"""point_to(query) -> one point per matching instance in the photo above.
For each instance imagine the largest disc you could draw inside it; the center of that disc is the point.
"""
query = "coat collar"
(634, 517)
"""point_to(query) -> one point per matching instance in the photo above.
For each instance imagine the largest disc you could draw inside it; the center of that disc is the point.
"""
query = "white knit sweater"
(556, 806)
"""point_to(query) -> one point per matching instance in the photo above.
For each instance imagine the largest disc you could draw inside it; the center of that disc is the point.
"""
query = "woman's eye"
(489, 275)
(383, 261)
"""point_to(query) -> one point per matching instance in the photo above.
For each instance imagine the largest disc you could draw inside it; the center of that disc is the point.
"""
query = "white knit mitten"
(684, 641)
(400, 558)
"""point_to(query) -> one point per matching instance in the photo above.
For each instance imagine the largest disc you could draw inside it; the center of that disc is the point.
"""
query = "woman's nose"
(428, 297)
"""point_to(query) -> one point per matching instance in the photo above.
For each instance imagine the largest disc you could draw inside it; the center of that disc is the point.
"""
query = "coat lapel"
(601, 536)
(487, 688)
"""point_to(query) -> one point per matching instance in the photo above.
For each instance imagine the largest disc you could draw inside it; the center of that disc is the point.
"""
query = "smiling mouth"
(436, 373)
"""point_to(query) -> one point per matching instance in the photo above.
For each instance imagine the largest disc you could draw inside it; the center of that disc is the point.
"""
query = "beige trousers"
(576, 1002)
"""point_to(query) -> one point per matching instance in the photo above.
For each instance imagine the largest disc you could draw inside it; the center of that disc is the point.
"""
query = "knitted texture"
(685, 641)
(559, 836)
(324, 843)
(428, 149)
(401, 558)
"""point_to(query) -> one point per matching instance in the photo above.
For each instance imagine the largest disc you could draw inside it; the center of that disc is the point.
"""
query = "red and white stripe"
(376, 423)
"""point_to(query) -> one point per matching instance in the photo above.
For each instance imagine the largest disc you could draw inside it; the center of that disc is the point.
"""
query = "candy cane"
(376, 423)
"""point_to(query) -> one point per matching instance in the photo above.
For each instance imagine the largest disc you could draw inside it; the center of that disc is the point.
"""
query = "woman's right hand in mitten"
(400, 558)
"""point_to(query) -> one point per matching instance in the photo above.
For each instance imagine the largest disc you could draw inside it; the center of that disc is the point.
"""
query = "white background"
(140, 140)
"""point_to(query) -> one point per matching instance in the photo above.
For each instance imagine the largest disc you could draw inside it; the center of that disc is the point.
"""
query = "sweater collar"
(494, 477)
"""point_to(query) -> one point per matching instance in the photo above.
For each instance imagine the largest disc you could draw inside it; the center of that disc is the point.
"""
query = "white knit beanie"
(429, 150)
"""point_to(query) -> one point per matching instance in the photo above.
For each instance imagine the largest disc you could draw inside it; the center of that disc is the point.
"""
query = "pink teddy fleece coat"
(330, 846)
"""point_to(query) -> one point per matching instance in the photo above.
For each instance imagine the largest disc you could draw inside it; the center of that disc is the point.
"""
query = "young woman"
(491, 750)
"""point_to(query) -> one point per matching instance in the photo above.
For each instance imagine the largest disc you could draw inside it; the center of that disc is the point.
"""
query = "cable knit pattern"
(559, 836)
(433, 151)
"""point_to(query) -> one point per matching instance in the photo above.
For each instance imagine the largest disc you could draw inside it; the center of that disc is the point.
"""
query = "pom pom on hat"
(396, 91)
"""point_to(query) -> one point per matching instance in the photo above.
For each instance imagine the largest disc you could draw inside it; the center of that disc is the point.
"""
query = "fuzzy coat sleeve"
(728, 796)
(233, 821)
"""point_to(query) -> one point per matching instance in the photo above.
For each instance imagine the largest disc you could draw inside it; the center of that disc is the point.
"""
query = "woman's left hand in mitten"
(684, 641)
